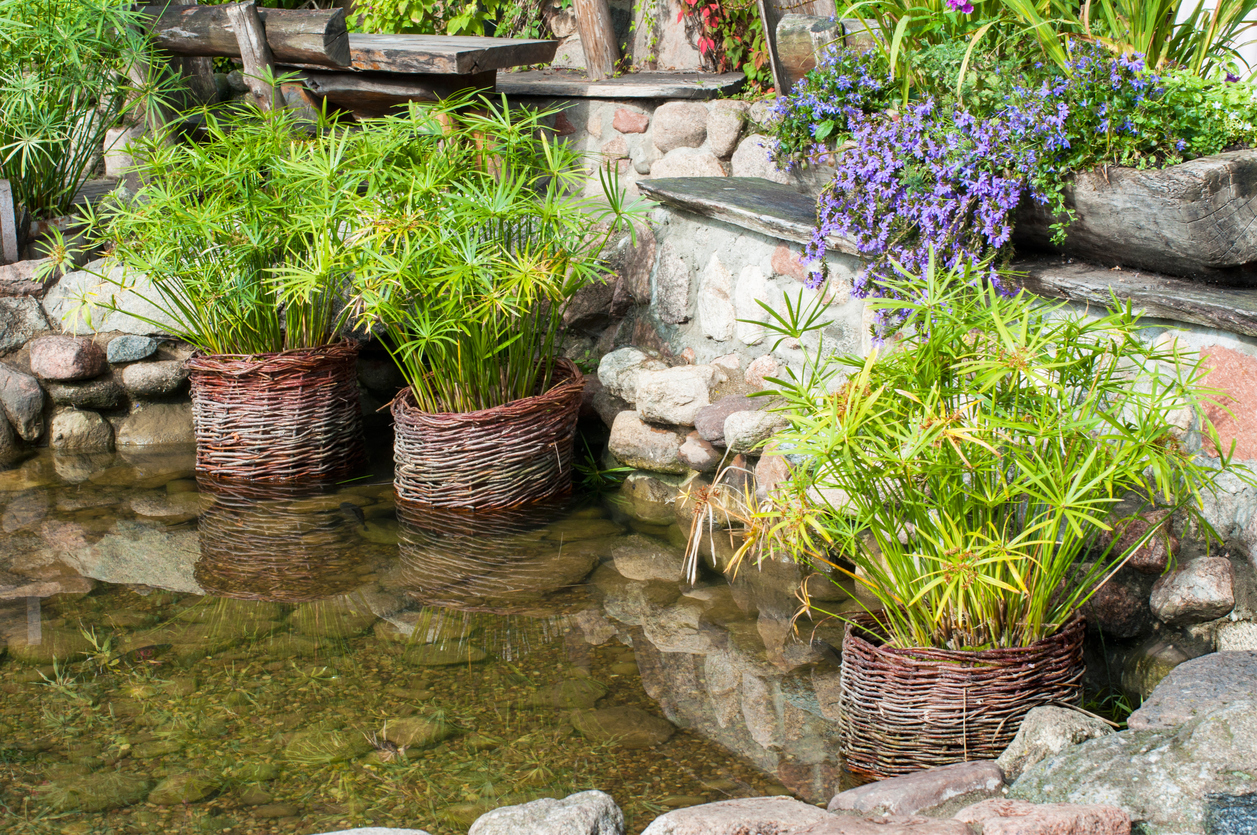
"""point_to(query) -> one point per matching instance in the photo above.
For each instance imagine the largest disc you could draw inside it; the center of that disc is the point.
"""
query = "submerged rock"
(443, 655)
(183, 788)
(61, 645)
(419, 731)
(321, 747)
(628, 727)
(566, 695)
(337, 618)
(584, 813)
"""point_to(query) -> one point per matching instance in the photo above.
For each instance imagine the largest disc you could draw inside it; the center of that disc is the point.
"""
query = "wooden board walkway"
(441, 54)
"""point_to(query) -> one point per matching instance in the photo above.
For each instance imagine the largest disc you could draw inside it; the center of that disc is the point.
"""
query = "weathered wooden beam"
(1197, 219)
(369, 95)
(8, 224)
(255, 54)
(769, 18)
(307, 37)
(597, 37)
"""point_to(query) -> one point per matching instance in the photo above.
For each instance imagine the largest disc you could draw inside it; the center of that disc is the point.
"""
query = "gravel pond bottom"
(185, 661)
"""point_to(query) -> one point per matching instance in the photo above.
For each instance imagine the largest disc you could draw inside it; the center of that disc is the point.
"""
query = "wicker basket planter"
(905, 710)
(287, 417)
(503, 457)
(275, 542)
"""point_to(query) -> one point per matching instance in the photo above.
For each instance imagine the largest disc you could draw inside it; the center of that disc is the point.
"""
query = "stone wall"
(654, 138)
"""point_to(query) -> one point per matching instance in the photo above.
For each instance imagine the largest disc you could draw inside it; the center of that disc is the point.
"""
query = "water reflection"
(278, 542)
(504, 561)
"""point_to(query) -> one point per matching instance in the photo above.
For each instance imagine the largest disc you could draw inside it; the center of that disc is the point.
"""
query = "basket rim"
(404, 402)
(860, 622)
(202, 361)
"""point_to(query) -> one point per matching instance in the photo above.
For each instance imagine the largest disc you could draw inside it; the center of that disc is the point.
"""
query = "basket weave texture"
(503, 457)
(906, 710)
(275, 542)
(286, 417)
(496, 561)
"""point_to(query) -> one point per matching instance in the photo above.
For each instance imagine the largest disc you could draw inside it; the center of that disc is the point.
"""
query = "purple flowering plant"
(947, 175)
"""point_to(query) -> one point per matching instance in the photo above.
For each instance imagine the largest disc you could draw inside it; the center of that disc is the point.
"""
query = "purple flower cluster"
(947, 180)
(962, 6)
(844, 87)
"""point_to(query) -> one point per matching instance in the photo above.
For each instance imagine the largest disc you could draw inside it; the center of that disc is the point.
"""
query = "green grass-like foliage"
(64, 67)
(475, 238)
(243, 234)
(968, 469)
(456, 232)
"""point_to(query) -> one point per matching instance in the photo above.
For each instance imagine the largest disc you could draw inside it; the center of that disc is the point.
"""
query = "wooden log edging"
(307, 37)
(1195, 219)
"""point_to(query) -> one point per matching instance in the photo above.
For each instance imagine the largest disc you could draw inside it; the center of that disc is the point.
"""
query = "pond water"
(187, 657)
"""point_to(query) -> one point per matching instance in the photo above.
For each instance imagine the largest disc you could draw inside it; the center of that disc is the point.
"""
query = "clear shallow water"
(186, 657)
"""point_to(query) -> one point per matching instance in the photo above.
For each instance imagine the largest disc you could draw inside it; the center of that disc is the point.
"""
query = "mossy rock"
(420, 731)
(156, 748)
(61, 645)
(256, 772)
(183, 788)
(566, 695)
(443, 654)
(321, 747)
(380, 531)
(628, 727)
(97, 792)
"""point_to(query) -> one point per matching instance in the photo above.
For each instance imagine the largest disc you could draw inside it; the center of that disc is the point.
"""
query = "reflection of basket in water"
(283, 417)
(273, 542)
(499, 561)
(503, 457)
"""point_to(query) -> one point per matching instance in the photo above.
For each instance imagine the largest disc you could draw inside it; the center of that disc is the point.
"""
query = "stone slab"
(774, 209)
(693, 86)
(1198, 687)
(441, 54)
(1232, 309)
(759, 815)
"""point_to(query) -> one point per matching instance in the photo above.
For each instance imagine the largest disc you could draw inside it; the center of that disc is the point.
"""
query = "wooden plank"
(1177, 299)
(774, 209)
(597, 37)
(255, 54)
(8, 224)
(1197, 219)
(768, 20)
(441, 54)
(694, 86)
(319, 38)
(369, 95)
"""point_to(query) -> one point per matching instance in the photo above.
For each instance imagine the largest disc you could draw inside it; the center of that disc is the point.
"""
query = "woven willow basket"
(286, 417)
(275, 542)
(503, 457)
(906, 710)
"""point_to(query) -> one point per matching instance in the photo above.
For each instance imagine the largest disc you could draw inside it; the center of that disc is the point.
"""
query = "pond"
(188, 657)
